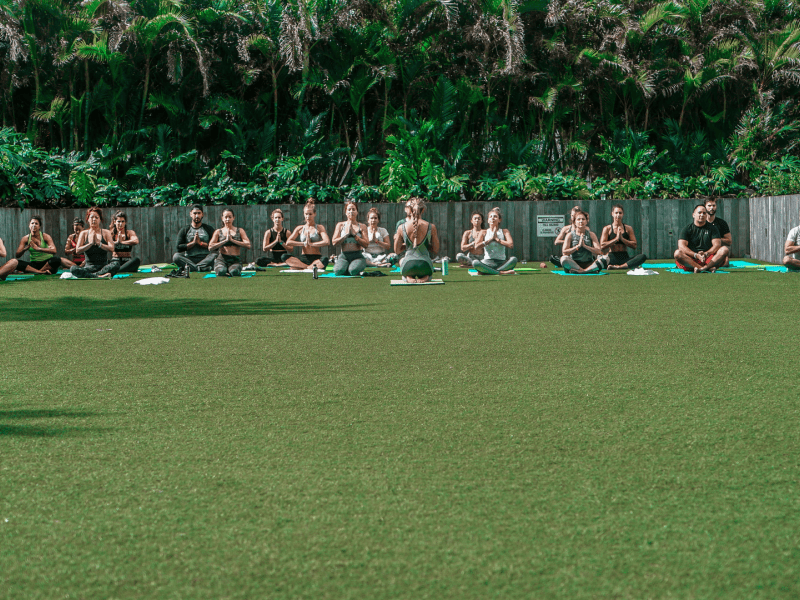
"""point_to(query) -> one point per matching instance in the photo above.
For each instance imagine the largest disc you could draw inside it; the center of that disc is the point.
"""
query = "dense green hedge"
(32, 177)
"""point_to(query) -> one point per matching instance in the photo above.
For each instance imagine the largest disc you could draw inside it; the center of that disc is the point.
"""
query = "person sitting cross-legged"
(69, 247)
(582, 253)
(42, 251)
(494, 242)
(193, 253)
(616, 239)
(352, 236)
(10, 266)
(310, 238)
(699, 245)
(229, 240)
(469, 239)
(95, 243)
(791, 249)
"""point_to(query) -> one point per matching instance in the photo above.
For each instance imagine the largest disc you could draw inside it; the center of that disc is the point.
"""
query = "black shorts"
(307, 259)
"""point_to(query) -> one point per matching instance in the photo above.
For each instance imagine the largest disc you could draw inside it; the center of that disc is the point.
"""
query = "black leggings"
(92, 271)
(55, 264)
(127, 265)
(621, 258)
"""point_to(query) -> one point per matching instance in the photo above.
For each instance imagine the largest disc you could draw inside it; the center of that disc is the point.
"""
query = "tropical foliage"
(274, 100)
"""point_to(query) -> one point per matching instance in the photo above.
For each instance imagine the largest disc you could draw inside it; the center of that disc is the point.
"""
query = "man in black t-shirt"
(722, 226)
(699, 245)
(193, 253)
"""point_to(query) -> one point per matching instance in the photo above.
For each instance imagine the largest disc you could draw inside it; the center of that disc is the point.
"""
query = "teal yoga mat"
(777, 269)
(682, 272)
(122, 275)
(561, 272)
(19, 277)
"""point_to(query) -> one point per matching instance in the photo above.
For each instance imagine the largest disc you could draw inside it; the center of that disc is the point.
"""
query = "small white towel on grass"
(152, 281)
(641, 271)
(67, 275)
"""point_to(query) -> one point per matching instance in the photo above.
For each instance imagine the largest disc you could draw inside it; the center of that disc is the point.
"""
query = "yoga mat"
(431, 282)
(561, 272)
(339, 276)
(743, 264)
(777, 269)
(19, 277)
(292, 271)
(121, 276)
(475, 273)
(669, 265)
(525, 269)
(244, 275)
(682, 272)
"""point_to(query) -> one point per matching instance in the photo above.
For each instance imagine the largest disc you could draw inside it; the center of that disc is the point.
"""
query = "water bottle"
(315, 272)
(445, 266)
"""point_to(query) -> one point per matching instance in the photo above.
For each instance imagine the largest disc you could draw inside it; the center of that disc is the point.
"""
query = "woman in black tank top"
(274, 240)
(616, 239)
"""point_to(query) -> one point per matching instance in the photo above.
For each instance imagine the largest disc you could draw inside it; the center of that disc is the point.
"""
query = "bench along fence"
(657, 223)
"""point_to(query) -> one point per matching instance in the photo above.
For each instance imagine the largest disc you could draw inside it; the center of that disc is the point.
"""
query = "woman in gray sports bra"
(419, 238)
(311, 238)
(495, 243)
(352, 236)
(580, 249)
(229, 240)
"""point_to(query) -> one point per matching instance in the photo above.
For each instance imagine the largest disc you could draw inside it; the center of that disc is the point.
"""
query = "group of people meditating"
(703, 245)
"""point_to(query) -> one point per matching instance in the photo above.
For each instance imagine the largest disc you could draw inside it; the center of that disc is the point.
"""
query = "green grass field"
(518, 437)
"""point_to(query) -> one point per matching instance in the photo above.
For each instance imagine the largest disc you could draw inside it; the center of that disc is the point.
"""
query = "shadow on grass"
(34, 431)
(72, 308)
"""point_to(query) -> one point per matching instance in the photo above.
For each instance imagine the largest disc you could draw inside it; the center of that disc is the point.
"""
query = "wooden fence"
(657, 223)
(771, 218)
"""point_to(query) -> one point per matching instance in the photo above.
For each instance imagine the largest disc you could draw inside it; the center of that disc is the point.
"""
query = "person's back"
(418, 241)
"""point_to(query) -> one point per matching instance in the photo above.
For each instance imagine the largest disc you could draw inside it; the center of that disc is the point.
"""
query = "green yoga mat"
(475, 273)
(576, 274)
(431, 282)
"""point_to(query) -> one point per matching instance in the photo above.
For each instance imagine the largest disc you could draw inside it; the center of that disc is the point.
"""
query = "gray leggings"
(492, 266)
(92, 271)
(227, 265)
(202, 264)
(350, 263)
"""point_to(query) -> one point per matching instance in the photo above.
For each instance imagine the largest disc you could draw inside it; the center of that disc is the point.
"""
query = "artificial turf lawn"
(518, 437)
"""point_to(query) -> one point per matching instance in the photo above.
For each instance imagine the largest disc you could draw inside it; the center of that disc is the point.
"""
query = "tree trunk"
(146, 85)
(87, 101)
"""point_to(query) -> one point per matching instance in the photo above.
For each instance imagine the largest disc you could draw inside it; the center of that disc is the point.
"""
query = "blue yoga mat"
(561, 272)
(122, 275)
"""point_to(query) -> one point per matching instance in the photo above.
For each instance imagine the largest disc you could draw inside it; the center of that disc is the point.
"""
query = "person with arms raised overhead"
(419, 238)
(42, 251)
(699, 245)
(10, 265)
(615, 240)
(193, 253)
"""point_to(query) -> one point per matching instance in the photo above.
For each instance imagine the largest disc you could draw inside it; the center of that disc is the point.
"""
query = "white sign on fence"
(549, 225)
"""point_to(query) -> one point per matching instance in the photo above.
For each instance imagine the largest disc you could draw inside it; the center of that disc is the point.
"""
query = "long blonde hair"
(417, 207)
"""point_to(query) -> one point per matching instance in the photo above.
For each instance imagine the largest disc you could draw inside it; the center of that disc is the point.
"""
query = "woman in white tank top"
(494, 243)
